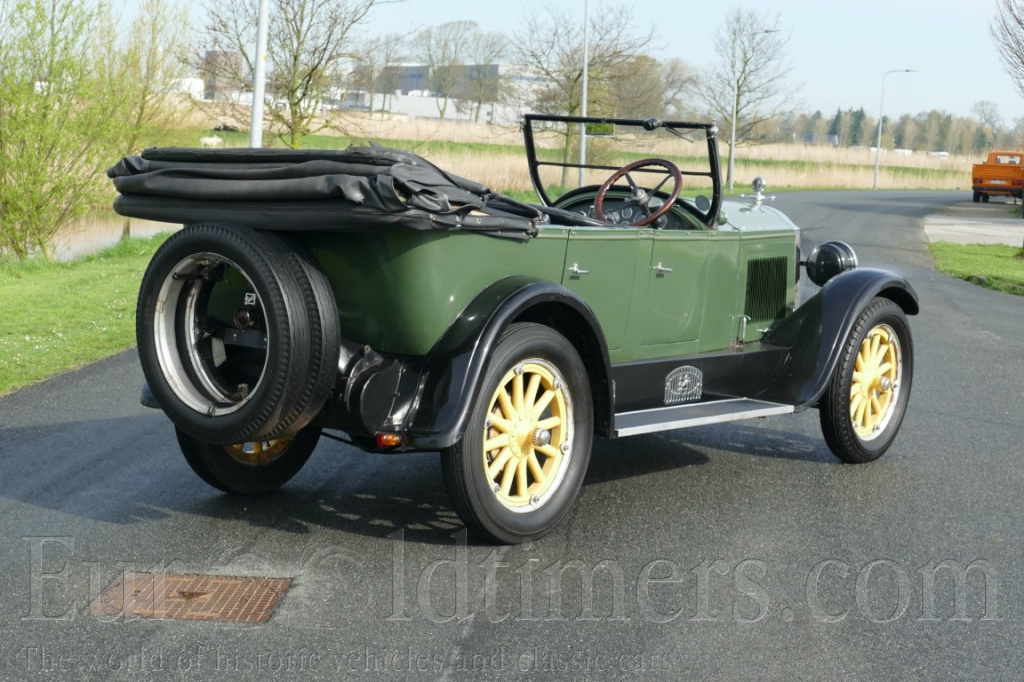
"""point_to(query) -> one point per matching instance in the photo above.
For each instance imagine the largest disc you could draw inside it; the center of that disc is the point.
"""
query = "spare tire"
(234, 330)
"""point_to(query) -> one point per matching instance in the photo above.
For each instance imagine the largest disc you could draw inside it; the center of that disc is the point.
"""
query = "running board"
(697, 414)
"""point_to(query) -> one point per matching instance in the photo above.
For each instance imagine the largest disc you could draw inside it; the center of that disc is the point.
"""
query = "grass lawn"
(55, 317)
(995, 266)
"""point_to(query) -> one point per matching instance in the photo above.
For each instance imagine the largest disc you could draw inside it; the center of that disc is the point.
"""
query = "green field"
(995, 266)
(55, 317)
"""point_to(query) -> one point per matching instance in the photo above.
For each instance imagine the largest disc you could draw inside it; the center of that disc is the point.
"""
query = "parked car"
(1002, 174)
(374, 297)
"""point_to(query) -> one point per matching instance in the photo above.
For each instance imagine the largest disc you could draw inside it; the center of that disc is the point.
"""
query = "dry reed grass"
(782, 165)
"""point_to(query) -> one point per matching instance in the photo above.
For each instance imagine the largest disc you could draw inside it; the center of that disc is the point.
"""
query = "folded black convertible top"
(357, 189)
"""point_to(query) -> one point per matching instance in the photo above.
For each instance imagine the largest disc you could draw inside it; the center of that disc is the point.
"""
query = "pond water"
(98, 231)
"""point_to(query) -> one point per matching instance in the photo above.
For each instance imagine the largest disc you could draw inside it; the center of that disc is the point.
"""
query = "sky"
(839, 50)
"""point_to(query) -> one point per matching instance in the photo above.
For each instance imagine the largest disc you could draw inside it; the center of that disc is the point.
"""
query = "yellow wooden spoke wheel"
(528, 434)
(864, 404)
(521, 461)
(875, 385)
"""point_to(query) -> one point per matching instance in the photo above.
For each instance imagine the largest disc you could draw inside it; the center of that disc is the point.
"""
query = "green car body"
(399, 291)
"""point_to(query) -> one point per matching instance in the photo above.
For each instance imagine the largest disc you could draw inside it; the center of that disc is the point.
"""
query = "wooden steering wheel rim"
(671, 169)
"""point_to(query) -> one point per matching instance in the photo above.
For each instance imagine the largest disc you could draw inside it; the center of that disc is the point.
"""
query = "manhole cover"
(191, 597)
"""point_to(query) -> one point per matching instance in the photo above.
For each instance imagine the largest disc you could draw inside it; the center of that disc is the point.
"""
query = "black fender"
(450, 381)
(816, 330)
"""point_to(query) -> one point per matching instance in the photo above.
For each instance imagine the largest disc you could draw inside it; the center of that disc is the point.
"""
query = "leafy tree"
(56, 130)
(140, 69)
(857, 120)
(904, 132)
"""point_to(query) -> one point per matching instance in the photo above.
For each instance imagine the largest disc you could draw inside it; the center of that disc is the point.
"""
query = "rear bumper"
(999, 190)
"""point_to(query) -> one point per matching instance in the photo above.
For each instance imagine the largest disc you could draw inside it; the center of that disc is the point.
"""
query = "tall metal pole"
(732, 128)
(881, 108)
(583, 107)
(259, 76)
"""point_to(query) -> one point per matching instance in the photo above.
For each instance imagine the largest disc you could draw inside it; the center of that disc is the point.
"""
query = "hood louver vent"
(766, 288)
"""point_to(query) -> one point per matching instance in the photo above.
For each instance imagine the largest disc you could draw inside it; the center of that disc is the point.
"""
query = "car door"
(674, 306)
(601, 266)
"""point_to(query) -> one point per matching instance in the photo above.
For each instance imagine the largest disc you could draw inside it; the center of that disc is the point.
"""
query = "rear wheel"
(977, 197)
(252, 467)
(863, 408)
(520, 464)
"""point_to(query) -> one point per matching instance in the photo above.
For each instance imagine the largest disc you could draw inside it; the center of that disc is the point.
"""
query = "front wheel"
(249, 468)
(864, 405)
(518, 468)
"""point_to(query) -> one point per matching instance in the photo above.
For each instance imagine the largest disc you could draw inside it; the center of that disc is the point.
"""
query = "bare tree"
(678, 80)
(443, 49)
(484, 82)
(1015, 135)
(549, 48)
(309, 45)
(1007, 31)
(987, 112)
(644, 87)
(376, 71)
(749, 79)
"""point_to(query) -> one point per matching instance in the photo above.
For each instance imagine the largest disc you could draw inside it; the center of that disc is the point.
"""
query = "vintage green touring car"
(368, 295)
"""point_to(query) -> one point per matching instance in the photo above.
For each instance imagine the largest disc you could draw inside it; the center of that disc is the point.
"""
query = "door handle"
(575, 271)
(661, 269)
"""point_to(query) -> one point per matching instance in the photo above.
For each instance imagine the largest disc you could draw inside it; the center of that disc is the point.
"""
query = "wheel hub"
(521, 441)
(258, 453)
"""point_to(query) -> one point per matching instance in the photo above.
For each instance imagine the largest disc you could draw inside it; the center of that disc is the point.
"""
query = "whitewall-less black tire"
(863, 408)
(518, 468)
(249, 468)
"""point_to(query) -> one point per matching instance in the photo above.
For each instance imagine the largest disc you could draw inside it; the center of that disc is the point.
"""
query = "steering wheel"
(642, 197)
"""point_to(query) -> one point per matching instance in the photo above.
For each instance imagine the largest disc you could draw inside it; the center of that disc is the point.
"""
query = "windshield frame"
(678, 128)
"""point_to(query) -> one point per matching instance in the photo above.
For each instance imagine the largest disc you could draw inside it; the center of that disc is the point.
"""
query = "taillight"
(388, 440)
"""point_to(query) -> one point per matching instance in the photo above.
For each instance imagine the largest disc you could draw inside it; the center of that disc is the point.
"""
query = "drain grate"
(191, 597)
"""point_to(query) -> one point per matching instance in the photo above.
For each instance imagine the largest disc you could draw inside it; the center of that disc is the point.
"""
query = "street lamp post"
(736, 105)
(583, 106)
(881, 106)
(259, 76)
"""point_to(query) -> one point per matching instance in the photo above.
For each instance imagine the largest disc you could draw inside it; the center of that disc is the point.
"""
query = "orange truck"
(1001, 175)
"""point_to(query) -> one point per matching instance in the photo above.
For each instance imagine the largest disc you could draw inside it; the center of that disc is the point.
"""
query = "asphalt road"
(735, 552)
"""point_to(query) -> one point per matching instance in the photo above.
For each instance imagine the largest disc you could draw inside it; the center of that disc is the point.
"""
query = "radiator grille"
(766, 288)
